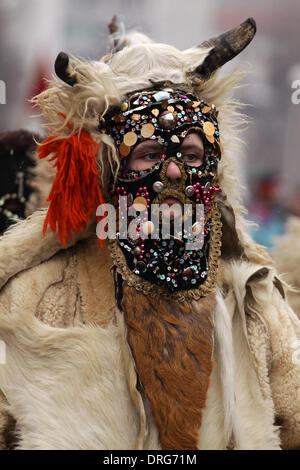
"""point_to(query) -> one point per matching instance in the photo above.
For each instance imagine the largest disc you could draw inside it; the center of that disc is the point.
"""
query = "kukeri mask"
(167, 117)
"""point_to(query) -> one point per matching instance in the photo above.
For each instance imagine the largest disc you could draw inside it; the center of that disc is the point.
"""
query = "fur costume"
(78, 362)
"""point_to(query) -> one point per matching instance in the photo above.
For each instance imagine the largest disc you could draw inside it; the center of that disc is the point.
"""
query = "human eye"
(143, 160)
(192, 159)
(151, 157)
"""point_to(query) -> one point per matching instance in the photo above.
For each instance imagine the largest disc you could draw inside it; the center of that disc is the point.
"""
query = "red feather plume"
(75, 192)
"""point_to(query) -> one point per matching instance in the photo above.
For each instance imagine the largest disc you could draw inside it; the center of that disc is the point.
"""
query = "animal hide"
(172, 344)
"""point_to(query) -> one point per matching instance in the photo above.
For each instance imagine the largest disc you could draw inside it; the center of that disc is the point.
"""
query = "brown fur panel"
(172, 344)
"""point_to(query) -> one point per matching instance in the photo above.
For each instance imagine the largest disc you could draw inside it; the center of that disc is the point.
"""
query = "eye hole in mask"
(193, 151)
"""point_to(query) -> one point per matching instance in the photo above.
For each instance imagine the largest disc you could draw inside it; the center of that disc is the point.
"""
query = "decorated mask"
(168, 117)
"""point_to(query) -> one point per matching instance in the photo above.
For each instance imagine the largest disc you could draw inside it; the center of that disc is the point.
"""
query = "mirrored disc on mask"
(167, 121)
(158, 186)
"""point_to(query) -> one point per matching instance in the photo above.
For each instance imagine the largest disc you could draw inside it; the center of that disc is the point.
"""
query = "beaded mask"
(168, 116)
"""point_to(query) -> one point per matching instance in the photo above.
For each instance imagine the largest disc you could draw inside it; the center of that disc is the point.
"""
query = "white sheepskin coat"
(69, 380)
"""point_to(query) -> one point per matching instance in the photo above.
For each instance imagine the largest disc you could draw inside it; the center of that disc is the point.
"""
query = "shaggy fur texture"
(52, 393)
(224, 350)
(23, 245)
(172, 345)
(259, 300)
(89, 373)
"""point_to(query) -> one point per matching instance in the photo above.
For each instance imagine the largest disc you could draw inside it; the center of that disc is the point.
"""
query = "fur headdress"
(73, 106)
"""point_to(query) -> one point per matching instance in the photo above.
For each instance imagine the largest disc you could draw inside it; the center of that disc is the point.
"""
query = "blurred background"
(33, 32)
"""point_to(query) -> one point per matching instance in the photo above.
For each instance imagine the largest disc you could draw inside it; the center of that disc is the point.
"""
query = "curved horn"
(225, 47)
(63, 69)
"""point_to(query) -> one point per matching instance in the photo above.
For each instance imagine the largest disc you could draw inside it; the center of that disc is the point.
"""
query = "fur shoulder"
(24, 246)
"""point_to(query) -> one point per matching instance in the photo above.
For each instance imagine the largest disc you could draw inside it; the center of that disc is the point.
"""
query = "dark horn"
(62, 69)
(225, 47)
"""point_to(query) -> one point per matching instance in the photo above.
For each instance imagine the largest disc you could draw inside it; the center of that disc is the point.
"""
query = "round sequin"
(140, 204)
(167, 121)
(148, 228)
(197, 228)
(189, 190)
(130, 139)
(141, 266)
(124, 149)
(158, 186)
(124, 106)
(147, 130)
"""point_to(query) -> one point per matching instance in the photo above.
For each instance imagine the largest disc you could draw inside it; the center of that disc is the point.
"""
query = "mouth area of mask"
(168, 225)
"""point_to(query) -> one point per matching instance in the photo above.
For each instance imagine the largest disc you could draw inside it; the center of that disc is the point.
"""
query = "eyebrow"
(190, 146)
(154, 146)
